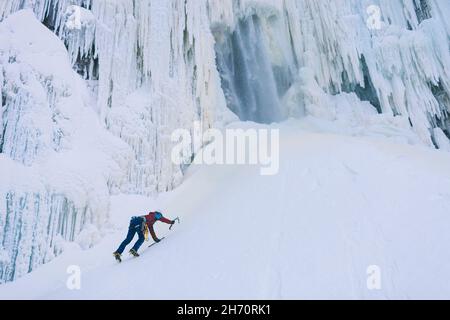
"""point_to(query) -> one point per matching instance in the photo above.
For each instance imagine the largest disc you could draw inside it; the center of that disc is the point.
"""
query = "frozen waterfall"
(252, 84)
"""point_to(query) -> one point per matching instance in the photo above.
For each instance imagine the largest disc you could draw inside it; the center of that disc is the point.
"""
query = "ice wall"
(162, 78)
(139, 94)
(252, 80)
(57, 164)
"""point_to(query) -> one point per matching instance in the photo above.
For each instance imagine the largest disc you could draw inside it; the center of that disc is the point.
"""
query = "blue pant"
(135, 227)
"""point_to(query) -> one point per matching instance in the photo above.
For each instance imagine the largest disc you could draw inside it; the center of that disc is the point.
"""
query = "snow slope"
(339, 204)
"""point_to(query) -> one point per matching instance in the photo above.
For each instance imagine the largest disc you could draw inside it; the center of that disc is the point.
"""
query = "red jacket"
(150, 220)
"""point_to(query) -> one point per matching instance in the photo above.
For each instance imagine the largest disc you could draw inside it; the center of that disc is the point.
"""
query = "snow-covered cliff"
(147, 67)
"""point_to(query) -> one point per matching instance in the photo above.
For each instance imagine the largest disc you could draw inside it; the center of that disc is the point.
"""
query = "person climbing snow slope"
(141, 225)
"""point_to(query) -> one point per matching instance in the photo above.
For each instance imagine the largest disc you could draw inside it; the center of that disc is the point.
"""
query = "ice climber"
(141, 225)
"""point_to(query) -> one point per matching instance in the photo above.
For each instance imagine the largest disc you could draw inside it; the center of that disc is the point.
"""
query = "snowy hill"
(339, 205)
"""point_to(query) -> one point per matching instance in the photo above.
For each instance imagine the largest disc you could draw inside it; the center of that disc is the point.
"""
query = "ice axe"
(156, 242)
(174, 223)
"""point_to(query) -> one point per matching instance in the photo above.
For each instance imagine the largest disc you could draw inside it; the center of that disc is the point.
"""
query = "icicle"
(45, 122)
(153, 64)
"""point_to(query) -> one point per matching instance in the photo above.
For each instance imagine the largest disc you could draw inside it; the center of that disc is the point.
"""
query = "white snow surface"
(340, 204)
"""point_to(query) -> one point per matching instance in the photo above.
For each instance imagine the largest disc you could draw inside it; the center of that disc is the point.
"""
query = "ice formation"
(57, 164)
(147, 67)
(399, 63)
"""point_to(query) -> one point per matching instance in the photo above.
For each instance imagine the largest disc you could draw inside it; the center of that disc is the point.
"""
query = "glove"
(157, 240)
(173, 222)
